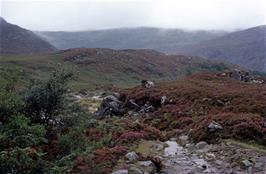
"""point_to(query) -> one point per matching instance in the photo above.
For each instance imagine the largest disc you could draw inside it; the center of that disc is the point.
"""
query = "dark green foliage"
(10, 102)
(23, 134)
(45, 99)
(22, 161)
(18, 131)
(71, 141)
(18, 139)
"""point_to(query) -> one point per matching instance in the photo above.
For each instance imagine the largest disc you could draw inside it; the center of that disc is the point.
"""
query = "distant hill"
(17, 40)
(122, 68)
(130, 66)
(164, 40)
(246, 48)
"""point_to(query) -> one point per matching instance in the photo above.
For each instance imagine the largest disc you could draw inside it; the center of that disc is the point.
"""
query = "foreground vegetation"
(43, 131)
(32, 120)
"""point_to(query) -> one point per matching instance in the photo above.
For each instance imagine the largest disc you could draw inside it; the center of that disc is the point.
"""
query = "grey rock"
(183, 139)
(147, 84)
(147, 108)
(220, 103)
(201, 145)
(163, 100)
(133, 104)
(120, 172)
(147, 166)
(247, 163)
(214, 126)
(134, 170)
(132, 156)
(109, 106)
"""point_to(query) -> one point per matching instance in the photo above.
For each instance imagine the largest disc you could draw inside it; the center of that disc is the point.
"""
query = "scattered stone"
(210, 156)
(220, 103)
(201, 145)
(247, 163)
(219, 162)
(214, 126)
(133, 104)
(147, 84)
(206, 99)
(132, 156)
(134, 170)
(183, 139)
(147, 108)
(163, 100)
(120, 172)
(190, 146)
(158, 146)
(173, 139)
(147, 166)
(201, 163)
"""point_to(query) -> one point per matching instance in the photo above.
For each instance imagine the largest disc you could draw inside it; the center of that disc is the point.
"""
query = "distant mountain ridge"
(17, 40)
(246, 48)
(163, 40)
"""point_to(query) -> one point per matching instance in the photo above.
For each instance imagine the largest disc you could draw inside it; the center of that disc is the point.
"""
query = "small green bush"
(45, 98)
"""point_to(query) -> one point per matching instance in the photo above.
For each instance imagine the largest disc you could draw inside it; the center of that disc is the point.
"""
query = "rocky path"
(178, 160)
(202, 158)
(180, 156)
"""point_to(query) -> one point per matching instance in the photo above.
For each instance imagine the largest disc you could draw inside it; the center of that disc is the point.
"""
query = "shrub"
(45, 99)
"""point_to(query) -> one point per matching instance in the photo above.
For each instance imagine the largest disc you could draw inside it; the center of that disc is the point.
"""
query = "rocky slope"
(184, 126)
(17, 40)
(246, 48)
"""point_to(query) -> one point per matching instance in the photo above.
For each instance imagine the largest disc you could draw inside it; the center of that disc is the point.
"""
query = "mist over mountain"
(164, 40)
(246, 48)
(17, 40)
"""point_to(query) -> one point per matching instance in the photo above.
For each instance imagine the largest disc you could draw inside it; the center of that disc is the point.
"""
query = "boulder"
(132, 156)
(148, 107)
(147, 84)
(147, 166)
(109, 106)
(214, 126)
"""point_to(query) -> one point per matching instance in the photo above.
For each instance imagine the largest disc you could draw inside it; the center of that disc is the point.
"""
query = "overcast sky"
(90, 15)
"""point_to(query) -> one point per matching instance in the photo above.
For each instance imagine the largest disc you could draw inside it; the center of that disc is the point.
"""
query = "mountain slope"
(16, 40)
(164, 40)
(123, 68)
(246, 48)
(130, 66)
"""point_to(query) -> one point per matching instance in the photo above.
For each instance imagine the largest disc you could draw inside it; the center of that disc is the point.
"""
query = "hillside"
(135, 65)
(122, 68)
(17, 40)
(246, 48)
(164, 40)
